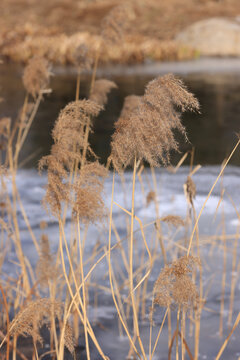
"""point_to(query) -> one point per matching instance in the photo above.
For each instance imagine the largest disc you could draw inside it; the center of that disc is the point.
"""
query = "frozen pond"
(171, 200)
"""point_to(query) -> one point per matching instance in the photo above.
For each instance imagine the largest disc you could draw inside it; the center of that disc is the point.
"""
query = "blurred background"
(197, 40)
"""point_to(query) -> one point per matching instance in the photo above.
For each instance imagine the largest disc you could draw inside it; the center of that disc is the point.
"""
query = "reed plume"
(88, 204)
(174, 287)
(100, 91)
(69, 338)
(69, 142)
(33, 316)
(68, 127)
(81, 57)
(190, 190)
(57, 190)
(36, 75)
(151, 196)
(147, 132)
(173, 220)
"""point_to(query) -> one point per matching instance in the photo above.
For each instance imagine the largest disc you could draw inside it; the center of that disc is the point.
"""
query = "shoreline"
(202, 65)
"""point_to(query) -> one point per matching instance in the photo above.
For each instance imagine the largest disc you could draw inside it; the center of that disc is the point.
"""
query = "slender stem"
(83, 291)
(159, 333)
(135, 316)
(95, 68)
(78, 84)
(178, 316)
(209, 194)
(110, 273)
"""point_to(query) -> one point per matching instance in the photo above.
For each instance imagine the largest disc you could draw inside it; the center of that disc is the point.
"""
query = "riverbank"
(55, 29)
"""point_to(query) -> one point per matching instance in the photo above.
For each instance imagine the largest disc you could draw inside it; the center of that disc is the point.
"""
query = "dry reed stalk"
(209, 194)
(82, 60)
(158, 336)
(27, 222)
(124, 323)
(7, 321)
(228, 337)
(45, 268)
(89, 328)
(233, 278)
(16, 237)
(83, 290)
(136, 136)
(145, 243)
(224, 271)
(35, 79)
(183, 323)
(190, 193)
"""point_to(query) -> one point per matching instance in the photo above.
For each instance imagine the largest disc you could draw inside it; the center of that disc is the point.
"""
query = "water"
(211, 133)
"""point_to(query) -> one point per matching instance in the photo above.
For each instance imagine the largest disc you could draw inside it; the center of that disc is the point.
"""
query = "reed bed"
(59, 296)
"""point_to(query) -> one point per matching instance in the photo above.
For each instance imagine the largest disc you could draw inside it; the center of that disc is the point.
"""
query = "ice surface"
(171, 200)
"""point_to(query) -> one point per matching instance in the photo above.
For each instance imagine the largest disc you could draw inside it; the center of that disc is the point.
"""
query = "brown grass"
(145, 131)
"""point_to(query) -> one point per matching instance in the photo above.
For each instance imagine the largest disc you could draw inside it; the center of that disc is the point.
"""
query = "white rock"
(213, 37)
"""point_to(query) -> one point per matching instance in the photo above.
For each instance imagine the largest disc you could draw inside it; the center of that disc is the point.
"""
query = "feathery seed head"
(146, 131)
(151, 196)
(189, 190)
(88, 204)
(173, 220)
(174, 285)
(81, 57)
(33, 316)
(36, 76)
(100, 91)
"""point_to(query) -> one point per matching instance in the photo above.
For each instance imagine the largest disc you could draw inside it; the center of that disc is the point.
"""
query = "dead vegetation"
(56, 29)
(75, 186)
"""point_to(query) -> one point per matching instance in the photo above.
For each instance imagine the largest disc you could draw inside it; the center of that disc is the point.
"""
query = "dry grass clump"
(36, 75)
(100, 91)
(33, 316)
(148, 134)
(174, 286)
